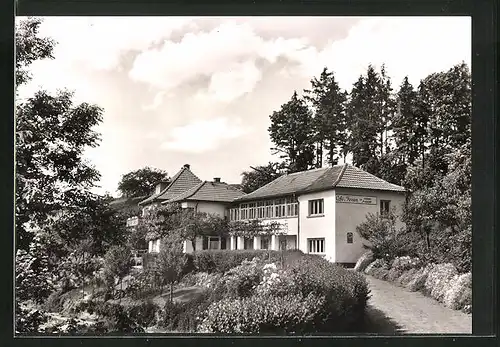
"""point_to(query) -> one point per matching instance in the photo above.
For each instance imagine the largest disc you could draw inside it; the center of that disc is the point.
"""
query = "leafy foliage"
(141, 182)
(30, 47)
(117, 263)
(261, 175)
(329, 121)
(291, 132)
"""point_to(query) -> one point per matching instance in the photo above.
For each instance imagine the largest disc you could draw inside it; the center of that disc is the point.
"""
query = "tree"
(261, 175)
(51, 136)
(117, 264)
(171, 264)
(30, 47)
(291, 132)
(330, 127)
(141, 182)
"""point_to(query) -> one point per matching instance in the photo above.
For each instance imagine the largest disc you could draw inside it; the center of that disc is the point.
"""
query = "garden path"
(396, 310)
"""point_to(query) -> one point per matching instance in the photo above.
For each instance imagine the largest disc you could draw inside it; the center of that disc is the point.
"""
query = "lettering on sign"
(356, 199)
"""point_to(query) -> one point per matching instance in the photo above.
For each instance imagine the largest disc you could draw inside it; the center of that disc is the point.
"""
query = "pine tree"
(328, 102)
(291, 132)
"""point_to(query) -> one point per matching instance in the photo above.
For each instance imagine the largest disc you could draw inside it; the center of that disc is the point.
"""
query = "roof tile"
(343, 176)
(210, 191)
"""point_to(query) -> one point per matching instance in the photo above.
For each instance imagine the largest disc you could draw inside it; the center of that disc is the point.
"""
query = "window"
(282, 245)
(385, 206)
(214, 242)
(244, 211)
(292, 207)
(350, 237)
(252, 209)
(316, 207)
(132, 221)
(234, 214)
(264, 243)
(260, 209)
(269, 209)
(316, 246)
(248, 243)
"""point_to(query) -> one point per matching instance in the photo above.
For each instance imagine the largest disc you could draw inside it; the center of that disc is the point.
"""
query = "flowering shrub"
(417, 283)
(406, 263)
(459, 293)
(438, 280)
(364, 261)
(201, 279)
(406, 277)
(291, 314)
(242, 280)
(378, 263)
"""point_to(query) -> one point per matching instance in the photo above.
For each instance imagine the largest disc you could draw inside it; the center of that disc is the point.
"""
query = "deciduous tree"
(141, 182)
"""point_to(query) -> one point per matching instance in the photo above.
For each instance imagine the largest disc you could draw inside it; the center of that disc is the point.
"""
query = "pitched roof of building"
(342, 176)
(210, 191)
(125, 204)
(180, 183)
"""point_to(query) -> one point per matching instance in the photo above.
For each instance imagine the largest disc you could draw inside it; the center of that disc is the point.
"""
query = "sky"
(199, 90)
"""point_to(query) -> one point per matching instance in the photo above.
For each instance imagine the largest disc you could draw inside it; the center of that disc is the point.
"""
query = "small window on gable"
(385, 206)
(350, 237)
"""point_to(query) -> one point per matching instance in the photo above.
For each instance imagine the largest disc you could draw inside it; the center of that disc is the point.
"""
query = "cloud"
(234, 82)
(157, 101)
(226, 55)
(413, 46)
(99, 42)
(202, 136)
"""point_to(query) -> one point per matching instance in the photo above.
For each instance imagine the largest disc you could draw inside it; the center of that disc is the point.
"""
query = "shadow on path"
(377, 322)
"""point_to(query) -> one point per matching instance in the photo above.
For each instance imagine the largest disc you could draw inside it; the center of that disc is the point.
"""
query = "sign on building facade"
(356, 199)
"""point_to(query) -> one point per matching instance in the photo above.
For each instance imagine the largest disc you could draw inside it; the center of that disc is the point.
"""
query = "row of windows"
(277, 208)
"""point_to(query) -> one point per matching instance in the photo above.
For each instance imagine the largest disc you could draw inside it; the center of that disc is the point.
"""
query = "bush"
(378, 263)
(364, 261)
(406, 277)
(438, 280)
(118, 318)
(221, 261)
(393, 274)
(144, 314)
(417, 283)
(459, 294)
(241, 281)
(406, 263)
(291, 314)
(185, 316)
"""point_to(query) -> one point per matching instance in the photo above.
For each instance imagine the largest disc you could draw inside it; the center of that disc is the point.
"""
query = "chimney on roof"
(187, 166)
(217, 179)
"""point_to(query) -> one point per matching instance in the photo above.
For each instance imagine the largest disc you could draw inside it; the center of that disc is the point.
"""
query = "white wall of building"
(217, 208)
(350, 215)
(318, 226)
(290, 225)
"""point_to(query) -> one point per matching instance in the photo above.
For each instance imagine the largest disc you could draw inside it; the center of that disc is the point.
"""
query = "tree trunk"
(428, 239)
(171, 292)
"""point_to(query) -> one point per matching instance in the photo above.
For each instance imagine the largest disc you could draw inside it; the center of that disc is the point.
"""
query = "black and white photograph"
(270, 176)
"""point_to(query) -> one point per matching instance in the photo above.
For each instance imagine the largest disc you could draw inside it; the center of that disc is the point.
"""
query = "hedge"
(308, 295)
(221, 261)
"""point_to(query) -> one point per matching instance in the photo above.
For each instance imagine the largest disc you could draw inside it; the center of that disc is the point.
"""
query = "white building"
(190, 192)
(320, 208)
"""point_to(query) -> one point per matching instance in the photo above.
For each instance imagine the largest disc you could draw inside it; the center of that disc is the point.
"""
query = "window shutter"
(223, 242)
(205, 242)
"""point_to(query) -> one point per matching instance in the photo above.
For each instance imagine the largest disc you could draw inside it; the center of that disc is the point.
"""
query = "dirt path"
(396, 310)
